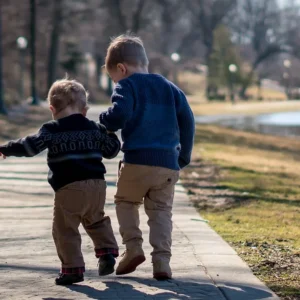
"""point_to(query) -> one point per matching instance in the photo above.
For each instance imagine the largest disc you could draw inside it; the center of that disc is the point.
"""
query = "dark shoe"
(68, 279)
(106, 264)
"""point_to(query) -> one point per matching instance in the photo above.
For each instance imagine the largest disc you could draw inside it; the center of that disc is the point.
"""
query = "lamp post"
(175, 58)
(286, 76)
(2, 106)
(22, 45)
(232, 70)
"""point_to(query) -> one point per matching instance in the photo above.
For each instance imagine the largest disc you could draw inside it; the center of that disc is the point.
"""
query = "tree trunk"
(137, 16)
(54, 44)
(210, 89)
(246, 84)
(109, 89)
(2, 107)
(99, 64)
(35, 100)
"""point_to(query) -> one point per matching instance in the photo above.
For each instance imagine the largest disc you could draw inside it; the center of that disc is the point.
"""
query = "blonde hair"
(128, 49)
(67, 92)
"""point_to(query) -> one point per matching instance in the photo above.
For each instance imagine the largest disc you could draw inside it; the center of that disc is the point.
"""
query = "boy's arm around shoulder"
(116, 116)
(110, 143)
(28, 146)
(186, 123)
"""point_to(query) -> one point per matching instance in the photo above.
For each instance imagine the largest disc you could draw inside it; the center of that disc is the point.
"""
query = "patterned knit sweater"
(156, 121)
(75, 146)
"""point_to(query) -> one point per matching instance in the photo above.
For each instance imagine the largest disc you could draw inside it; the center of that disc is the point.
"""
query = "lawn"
(247, 186)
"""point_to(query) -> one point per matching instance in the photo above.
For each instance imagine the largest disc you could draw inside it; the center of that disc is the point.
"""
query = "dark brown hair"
(126, 49)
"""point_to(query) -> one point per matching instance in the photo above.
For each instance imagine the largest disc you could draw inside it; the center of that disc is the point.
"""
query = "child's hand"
(1, 154)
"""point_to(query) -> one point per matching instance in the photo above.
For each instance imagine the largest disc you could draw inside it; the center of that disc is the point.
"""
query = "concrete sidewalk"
(204, 266)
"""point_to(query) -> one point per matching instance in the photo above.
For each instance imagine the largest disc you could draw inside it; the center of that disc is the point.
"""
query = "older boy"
(157, 130)
(75, 146)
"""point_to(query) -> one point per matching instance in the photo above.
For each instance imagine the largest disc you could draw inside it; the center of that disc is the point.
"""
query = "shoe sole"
(109, 269)
(70, 283)
(131, 267)
(162, 276)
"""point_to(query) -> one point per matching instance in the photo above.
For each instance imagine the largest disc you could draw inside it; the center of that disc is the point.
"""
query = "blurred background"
(213, 49)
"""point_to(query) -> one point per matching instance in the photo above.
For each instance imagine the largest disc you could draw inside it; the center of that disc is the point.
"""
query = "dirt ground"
(22, 120)
(276, 263)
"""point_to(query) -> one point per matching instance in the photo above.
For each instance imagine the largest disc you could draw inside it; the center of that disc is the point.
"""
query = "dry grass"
(260, 176)
(266, 94)
(194, 85)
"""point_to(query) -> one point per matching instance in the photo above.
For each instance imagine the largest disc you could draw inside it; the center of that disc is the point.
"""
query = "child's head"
(126, 55)
(67, 97)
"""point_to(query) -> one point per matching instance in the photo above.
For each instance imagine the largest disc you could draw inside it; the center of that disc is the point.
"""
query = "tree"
(172, 12)
(57, 19)
(63, 12)
(35, 100)
(257, 23)
(73, 58)
(224, 54)
(207, 15)
(2, 107)
(126, 18)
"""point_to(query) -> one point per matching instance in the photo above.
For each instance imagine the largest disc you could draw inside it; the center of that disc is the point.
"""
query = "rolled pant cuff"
(104, 251)
(77, 270)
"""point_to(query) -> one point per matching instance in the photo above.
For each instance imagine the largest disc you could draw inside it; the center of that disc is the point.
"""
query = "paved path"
(204, 266)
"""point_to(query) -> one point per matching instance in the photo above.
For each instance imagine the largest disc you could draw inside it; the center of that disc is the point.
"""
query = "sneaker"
(106, 264)
(162, 270)
(68, 279)
(131, 259)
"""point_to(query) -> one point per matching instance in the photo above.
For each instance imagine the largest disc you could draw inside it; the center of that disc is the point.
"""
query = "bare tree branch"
(138, 16)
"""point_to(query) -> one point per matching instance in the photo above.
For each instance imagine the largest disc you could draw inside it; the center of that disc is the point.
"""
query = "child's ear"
(53, 110)
(85, 110)
(122, 68)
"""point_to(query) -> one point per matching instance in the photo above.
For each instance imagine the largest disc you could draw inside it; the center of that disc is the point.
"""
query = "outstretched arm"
(28, 146)
(116, 116)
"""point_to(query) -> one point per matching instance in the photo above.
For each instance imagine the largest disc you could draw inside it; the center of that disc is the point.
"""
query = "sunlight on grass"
(264, 226)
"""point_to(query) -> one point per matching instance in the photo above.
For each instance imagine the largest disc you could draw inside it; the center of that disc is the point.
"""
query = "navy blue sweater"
(156, 121)
(75, 146)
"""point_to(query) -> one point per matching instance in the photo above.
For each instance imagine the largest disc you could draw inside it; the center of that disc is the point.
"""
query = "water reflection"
(283, 124)
(285, 119)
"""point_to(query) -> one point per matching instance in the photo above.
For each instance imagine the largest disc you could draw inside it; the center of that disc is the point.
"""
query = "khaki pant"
(81, 202)
(155, 187)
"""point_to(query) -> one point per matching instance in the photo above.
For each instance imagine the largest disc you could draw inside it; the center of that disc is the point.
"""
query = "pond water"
(281, 119)
(283, 124)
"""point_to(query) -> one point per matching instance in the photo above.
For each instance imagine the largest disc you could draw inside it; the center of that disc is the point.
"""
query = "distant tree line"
(254, 35)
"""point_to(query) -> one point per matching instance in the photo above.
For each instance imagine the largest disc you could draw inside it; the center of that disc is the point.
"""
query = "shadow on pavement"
(194, 290)
(121, 289)
(29, 268)
(177, 289)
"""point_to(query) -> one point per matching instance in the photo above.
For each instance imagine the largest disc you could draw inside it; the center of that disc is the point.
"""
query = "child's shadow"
(116, 289)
